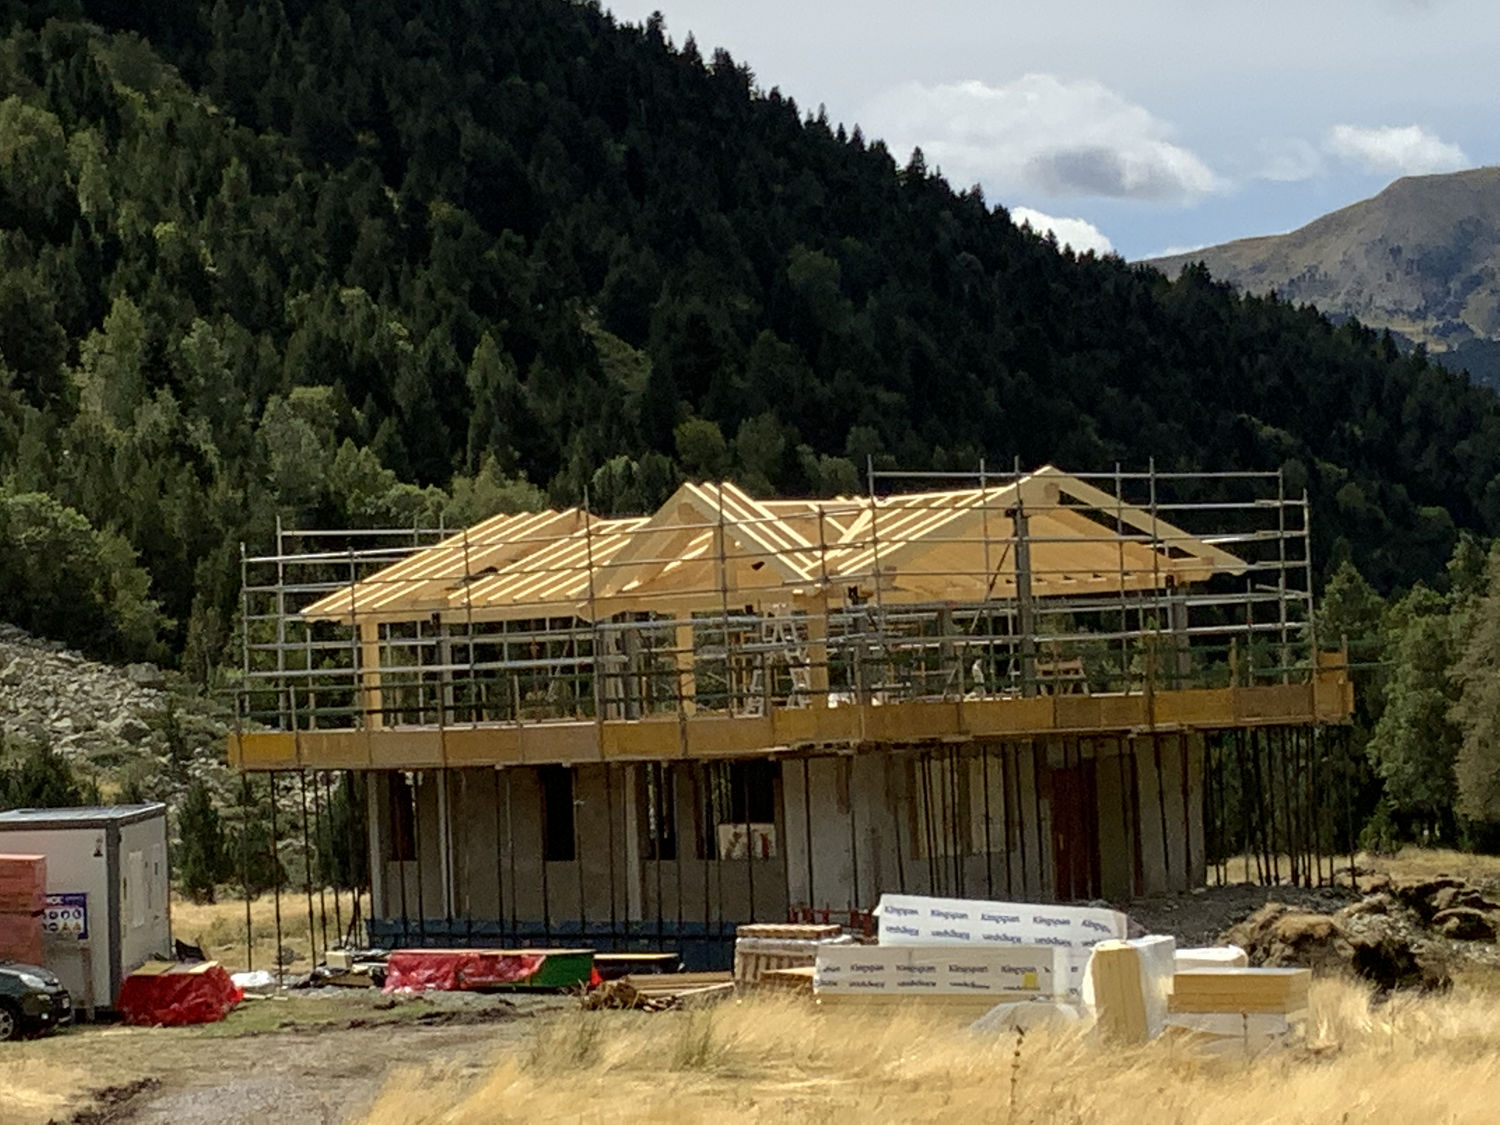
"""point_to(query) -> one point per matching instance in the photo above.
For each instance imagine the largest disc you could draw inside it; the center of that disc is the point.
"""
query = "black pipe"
(854, 899)
(1038, 766)
(312, 933)
(989, 859)
(276, 880)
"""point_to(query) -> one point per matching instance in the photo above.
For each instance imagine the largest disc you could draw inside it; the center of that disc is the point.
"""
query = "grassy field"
(34, 1089)
(219, 927)
(761, 1061)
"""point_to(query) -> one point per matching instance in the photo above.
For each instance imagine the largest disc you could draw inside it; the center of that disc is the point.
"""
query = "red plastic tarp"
(177, 995)
(452, 970)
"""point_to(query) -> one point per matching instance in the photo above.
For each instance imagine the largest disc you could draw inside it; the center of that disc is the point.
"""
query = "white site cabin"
(108, 907)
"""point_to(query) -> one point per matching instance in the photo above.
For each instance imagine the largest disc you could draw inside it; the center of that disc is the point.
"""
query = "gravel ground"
(317, 1057)
(1199, 917)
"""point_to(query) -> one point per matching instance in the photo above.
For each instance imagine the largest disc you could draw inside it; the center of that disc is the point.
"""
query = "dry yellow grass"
(780, 1060)
(219, 927)
(33, 1089)
(1424, 863)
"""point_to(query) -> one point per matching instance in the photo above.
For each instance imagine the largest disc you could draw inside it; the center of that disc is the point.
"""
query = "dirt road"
(315, 1060)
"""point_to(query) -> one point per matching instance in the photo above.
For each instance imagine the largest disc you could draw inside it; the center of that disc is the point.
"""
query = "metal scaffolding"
(1009, 585)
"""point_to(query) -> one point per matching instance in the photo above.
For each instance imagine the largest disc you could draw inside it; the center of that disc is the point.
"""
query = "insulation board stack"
(1238, 1004)
(1212, 957)
(23, 898)
(1129, 986)
(983, 975)
(761, 947)
(1074, 930)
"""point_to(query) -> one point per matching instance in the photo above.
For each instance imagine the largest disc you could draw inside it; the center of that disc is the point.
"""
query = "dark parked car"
(32, 1001)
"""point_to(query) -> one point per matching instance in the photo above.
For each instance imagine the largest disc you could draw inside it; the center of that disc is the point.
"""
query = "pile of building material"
(1074, 930)
(23, 899)
(1245, 1006)
(948, 976)
(764, 947)
(659, 992)
(1020, 965)
(1128, 985)
(967, 956)
(174, 994)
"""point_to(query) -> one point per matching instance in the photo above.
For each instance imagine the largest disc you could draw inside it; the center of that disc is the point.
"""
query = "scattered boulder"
(1419, 894)
(1380, 903)
(130, 729)
(1464, 923)
(145, 675)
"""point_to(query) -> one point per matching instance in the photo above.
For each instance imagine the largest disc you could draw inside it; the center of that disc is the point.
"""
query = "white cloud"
(1404, 149)
(1288, 161)
(1080, 234)
(1040, 135)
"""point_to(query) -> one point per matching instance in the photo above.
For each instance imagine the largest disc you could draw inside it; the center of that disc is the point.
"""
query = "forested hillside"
(370, 262)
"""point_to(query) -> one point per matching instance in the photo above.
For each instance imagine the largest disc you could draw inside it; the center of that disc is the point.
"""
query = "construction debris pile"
(1400, 934)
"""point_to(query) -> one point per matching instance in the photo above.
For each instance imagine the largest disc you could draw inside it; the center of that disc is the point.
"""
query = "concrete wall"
(701, 888)
(1169, 772)
(480, 848)
(847, 830)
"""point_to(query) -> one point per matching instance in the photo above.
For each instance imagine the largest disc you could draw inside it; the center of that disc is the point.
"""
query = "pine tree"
(1477, 711)
(39, 778)
(200, 850)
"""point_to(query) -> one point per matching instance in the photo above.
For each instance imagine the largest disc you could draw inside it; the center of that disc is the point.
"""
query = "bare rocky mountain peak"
(1421, 258)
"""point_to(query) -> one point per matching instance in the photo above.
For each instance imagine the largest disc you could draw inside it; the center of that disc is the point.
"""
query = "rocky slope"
(123, 727)
(1421, 258)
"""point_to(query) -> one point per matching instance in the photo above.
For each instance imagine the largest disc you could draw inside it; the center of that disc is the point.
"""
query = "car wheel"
(10, 1022)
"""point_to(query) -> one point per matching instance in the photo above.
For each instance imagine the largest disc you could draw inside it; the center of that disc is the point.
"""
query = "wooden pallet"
(798, 980)
(750, 965)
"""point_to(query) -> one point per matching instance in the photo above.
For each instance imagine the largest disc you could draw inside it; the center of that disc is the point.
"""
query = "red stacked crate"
(23, 896)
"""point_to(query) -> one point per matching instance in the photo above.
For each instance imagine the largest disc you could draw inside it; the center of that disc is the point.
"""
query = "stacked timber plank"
(762, 947)
(23, 898)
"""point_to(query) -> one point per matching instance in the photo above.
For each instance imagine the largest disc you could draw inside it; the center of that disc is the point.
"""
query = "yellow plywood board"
(705, 736)
(403, 747)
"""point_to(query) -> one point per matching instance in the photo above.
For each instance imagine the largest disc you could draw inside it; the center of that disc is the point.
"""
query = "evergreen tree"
(1477, 709)
(1414, 745)
(34, 776)
(200, 860)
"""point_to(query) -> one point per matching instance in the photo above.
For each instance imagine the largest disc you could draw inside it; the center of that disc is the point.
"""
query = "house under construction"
(1042, 686)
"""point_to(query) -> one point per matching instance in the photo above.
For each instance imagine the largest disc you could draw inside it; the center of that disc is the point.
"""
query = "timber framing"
(721, 626)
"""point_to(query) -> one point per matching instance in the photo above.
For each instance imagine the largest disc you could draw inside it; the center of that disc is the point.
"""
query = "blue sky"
(1138, 125)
